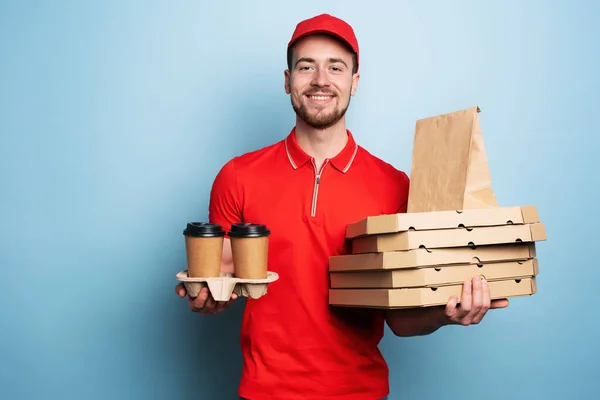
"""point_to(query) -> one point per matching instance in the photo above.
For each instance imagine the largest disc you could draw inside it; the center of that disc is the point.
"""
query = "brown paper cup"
(249, 247)
(204, 249)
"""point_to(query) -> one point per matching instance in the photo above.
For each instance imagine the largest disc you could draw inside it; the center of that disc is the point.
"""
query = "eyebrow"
(312, 60)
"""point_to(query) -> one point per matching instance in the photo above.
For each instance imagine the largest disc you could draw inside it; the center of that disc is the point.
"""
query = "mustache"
(319, 91)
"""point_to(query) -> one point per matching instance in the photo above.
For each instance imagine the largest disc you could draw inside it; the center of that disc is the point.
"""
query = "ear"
(355, 79)
(287, 84)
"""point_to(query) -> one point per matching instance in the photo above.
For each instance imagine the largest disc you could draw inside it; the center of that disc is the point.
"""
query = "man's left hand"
(474, 303)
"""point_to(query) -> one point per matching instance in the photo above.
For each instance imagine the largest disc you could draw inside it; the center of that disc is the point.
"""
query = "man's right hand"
(204, 302)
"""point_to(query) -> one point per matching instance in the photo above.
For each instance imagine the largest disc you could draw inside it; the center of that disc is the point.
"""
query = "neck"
(321, 144)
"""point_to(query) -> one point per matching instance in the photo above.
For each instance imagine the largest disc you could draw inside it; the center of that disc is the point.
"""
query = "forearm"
(416, 321)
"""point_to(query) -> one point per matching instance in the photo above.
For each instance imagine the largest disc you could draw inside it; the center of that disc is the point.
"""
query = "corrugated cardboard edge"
(365, 226)
(530, 214)
(411, 240)
(538, 232)
(223, 287)
(433, 276)
(423, 258)
(425, 297)
(393, 223)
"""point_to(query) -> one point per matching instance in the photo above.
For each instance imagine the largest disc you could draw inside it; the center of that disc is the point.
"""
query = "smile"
(320, 97)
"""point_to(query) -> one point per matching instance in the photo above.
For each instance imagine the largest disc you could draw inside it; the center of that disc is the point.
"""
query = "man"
(306, 189)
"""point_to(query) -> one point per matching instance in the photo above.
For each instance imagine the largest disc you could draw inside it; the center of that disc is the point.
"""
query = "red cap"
(327, 24)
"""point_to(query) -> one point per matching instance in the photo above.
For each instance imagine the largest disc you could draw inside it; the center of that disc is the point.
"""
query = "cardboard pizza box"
(423, 257)
(433, 276)
(457, 237)
(442, 220)
(425, 296)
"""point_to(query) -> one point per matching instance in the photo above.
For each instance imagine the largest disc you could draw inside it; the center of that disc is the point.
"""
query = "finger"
(227, 304)
(180, 290)
(485, 304)
(191, 305)
(450, 309)
(465, 301)
(499, 303)
(219, 306)
(214, 308)
(210, 302)
(476, 299)
(197, 303)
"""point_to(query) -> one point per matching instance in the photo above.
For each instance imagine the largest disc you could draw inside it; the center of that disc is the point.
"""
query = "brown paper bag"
(450, 168)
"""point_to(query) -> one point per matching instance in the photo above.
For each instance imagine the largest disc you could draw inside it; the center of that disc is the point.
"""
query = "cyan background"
(115, 117)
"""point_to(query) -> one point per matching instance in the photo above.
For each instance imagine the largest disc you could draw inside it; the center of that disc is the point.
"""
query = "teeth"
(320, 97)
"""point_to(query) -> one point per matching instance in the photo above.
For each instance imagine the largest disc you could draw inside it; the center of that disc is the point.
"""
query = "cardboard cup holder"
(223, 287)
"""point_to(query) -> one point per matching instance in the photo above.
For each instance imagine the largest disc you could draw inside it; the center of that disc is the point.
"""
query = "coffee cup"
(204, 249)
(249, 247)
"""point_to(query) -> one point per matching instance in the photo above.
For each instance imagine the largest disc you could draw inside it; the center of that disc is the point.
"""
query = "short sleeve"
(225, 206)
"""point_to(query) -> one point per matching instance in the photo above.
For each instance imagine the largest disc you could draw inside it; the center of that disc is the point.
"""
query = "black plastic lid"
(203, 229)
(248, 230)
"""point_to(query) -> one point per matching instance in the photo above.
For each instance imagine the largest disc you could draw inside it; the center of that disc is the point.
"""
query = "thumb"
(180, 290)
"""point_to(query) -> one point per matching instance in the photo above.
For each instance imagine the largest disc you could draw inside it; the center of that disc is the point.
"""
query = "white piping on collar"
(346, 168)
(351, 159)
(287, 151)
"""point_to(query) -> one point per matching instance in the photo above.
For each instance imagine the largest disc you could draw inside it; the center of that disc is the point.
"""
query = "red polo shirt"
(294, 345)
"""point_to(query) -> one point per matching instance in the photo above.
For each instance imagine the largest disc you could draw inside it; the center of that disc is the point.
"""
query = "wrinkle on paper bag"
(450, 168)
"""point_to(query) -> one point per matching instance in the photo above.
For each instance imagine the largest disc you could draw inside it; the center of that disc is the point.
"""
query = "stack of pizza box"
(453, 230)
(421, 259)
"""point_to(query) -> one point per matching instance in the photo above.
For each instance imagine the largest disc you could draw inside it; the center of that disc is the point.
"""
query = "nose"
(320, 78)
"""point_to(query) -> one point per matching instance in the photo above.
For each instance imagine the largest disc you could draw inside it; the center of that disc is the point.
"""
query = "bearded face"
(320, 108)
(321, 81)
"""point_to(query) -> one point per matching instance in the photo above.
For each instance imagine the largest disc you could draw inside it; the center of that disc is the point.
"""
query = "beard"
(319, 121)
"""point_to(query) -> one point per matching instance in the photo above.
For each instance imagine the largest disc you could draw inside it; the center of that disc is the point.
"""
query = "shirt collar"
(298, 157)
